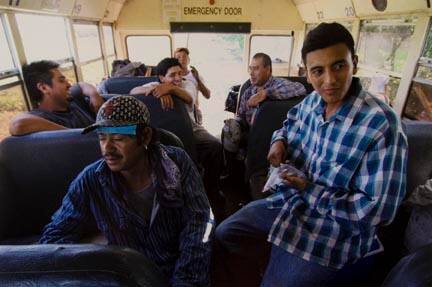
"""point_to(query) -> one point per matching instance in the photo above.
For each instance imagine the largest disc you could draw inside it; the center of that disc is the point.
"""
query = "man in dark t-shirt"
(55, 107)
(76, 116)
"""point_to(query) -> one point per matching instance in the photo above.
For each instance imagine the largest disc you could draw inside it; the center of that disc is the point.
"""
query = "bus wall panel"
(157, 14)
(365, 8)
(308, 12)
(334, 9)
(94, 9)
(64, 7)
(113, 10)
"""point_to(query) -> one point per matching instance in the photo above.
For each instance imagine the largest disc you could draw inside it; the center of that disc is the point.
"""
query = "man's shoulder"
(45, 114)
(92, 170)
(378, 109)
(175, 153)
(377, 116)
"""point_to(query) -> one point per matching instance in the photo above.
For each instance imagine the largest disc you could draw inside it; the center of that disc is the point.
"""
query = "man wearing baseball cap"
(141, 195)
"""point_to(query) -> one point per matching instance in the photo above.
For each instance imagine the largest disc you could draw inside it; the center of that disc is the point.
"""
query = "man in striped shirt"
(141, 195)
(353, 152)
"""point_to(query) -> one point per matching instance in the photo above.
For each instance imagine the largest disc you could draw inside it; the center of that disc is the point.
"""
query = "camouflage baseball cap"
(121, 111)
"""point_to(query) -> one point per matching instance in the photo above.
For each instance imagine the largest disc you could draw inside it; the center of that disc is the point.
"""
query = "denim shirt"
(177, 238)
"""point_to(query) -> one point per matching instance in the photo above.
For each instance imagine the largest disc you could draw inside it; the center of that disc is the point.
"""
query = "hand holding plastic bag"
(275, 178)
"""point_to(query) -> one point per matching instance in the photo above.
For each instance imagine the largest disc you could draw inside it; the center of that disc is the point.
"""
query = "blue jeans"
(242, 252)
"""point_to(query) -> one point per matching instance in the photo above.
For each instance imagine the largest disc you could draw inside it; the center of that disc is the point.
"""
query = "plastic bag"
(275, 179)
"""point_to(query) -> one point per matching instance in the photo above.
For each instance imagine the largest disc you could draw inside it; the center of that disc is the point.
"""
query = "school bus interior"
(393, 41)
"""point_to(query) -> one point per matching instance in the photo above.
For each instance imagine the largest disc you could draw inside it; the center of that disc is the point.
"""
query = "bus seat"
(123, 85)
(419, 135)
(414, 270)
(76, 265)
(302, 80)
(35, 171)
(176, 120)
(419, 170)
(268, 118)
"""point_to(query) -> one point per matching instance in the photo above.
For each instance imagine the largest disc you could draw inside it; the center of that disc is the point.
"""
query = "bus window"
(68, 69)
(148, 50)
(346, 24)
(383, 49)
(38, 34)
(419, 102)
(219, 59)
(11, 92)
(38, 42)
(109, 45)
(89, 52)
(278, 47)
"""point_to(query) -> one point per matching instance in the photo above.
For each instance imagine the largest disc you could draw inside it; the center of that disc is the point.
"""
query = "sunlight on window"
(39, 33)
(11, 104)
(148, 50)
(109, 40)
(6, 62)
(384, 44)
(219, 58)
(93, 72)
(87, 41)
(277, 47)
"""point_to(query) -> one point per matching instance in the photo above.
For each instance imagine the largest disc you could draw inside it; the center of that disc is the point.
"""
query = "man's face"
(121, 152)
(173, 76)
(183, 58)
(259, 74)
(330, 72)
(58, 92)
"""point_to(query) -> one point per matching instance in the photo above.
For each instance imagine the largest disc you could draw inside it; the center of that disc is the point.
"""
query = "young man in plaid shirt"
(351, 147)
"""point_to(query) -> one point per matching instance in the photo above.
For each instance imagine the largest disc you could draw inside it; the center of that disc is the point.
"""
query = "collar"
(265, 86)
(352, 103)
(168, 177)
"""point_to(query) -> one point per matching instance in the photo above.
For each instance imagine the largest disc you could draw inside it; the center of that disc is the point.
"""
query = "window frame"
(83, 22)
(273, 35)
(15, 72)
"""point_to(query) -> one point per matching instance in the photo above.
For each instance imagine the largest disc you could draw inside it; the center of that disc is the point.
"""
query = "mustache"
(111, 155)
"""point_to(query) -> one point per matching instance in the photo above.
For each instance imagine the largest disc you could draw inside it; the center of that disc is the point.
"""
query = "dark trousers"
(241, 254)
(210, 157)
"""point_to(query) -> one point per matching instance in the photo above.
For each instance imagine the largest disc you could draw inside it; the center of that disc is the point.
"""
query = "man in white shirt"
(192, 75)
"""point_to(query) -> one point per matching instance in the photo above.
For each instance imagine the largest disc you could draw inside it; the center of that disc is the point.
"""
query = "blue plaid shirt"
(177, 239)
(356, 164)
(276, 89)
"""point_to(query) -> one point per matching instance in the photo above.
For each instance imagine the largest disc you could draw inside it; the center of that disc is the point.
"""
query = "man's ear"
(307, 74)
(147, 135)
(42, 87)
(161, 78)
(355, 62)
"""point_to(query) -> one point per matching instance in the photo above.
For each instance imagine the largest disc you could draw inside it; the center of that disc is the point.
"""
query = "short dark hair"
(35, 73)
(164, 65)
(326, 35)
(265, 59)
(184, 50)
(117, 65)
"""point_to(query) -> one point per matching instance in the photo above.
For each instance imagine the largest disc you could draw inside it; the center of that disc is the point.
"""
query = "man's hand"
(277, 153)
(294, 181)
(254, 101)
(89, 90)
(167, 102)
(162, 90)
